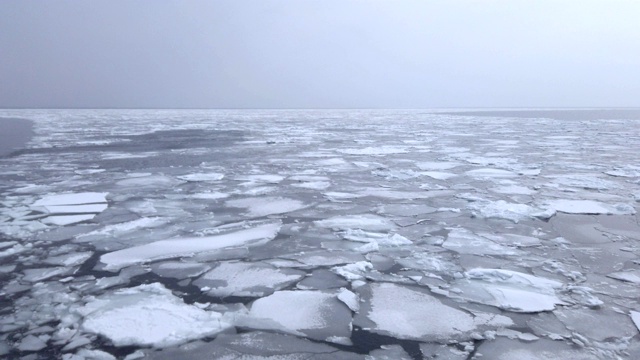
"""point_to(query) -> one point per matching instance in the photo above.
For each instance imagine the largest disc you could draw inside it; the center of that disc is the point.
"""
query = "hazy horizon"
(320, 54)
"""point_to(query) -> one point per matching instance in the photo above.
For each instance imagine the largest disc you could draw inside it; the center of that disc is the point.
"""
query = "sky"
(319, 54)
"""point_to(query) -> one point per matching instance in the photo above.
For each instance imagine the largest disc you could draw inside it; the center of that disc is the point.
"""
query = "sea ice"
(490, 173)
(63, 220)
(184, 247)
(253, 345)
(263, 206)
(364, 222)
(437, 165)
(509, 211)
(509, 290)
(513, 189)
(408, 313)
(439, 175)
(375, 151)
(148, 315)
(465, 242)
(201, 177)
(72, 199)
(589, 207)
(632, 276)
(246, 279)
(314, 314)
(543, 349)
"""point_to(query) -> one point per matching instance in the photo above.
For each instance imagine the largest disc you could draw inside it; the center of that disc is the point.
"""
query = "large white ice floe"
(148, 315)
(589, 207)
(509, 290)
(263, 206)
(67, 209)
(509, 211)
(184, 247)
(246, 279)
(315, 314)
(409, 313)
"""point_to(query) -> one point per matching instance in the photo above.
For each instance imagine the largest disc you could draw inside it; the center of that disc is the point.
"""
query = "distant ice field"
(321, 234)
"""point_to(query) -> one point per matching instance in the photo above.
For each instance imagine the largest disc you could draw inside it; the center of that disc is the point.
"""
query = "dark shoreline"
(14, 134)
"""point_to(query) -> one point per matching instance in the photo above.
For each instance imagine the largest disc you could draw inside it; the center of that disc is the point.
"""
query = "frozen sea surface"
(321, 235)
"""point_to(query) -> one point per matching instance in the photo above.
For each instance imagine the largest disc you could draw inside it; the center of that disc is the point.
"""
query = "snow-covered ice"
(148, 315)
(328, 234)
(185, 247)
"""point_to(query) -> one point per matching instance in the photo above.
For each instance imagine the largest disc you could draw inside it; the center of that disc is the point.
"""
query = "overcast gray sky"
(320, 54)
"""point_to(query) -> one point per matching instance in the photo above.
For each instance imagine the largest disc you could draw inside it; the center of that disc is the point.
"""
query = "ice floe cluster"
(319, 234)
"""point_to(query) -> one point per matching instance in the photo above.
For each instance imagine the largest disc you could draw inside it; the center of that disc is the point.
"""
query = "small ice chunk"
(181, 247)
(350, 299)
(632, 276)
(201, 177)
(543, 349)
(36, 275)
(31, 343)
(389, 352)
(405, 313)
(179, 270)
(72, 199)
(246, 279)
(264, 206)
(353, 271)
(513, 190)
(73, 259)
(375, 151)
(148, 315)
(71, 209)
(62, 220)
(263, 178)
(439, 175)
(315, 314)
(635, 317)
(437, 165)
(490, 173)
(509, 211)
(589, 207)
(509, 290)
(465, 242)
(364, 222)
(313, 185)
